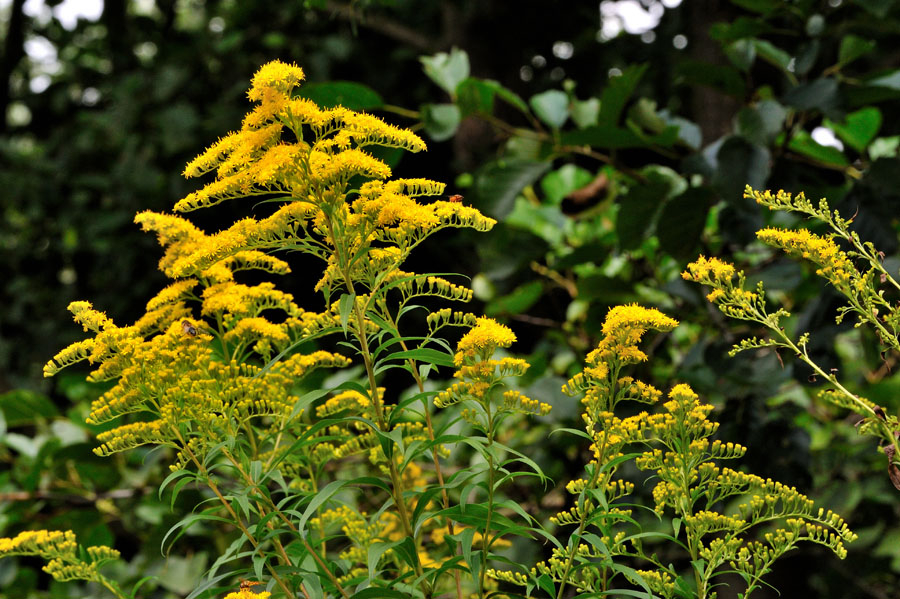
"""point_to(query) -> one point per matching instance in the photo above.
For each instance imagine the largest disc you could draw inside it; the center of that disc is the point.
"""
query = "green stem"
(445, 498)
(237, 520)
(485, 544)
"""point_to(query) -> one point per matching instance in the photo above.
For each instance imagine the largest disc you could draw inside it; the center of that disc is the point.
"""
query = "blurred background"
(612, 140)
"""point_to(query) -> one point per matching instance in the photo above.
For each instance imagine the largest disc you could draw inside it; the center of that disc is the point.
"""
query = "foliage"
(218, 391)
(600, 224)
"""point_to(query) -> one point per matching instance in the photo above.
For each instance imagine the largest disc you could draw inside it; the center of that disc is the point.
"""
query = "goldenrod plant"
(345, 490)
(66, 559)
(213, 368)
(713, 511)
(853, 267)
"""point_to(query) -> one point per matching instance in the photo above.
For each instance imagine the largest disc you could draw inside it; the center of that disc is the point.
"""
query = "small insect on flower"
(188, 328)
(247, 585)
(456, 198)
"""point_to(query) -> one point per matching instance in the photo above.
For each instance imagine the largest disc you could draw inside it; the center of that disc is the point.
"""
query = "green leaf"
(877, 8)
(478, 96)
(23, 407)
(859, 128)
(741, 53)
(643, 113)
(853, 47)
(498, 183)
(803, 143)
(345, 305)
(616, 94)
(688, 131)
(546, 222)
(517, 302)
(425, 354)
(821, 94)
(547, 585)
(637, 211)
(551, 106)
(475, 96)
(348, 94)
(682, 221)
(740, 163)
(441, 120)
(761, 123)
(884, 147)
(890, 80)
(447, 70)
(585, 113)
(772, 54)
(559, 183)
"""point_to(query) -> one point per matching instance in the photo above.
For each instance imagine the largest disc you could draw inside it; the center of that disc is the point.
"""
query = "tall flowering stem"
(674, 446)
(856, 273)
(212, 369)
(480, 378)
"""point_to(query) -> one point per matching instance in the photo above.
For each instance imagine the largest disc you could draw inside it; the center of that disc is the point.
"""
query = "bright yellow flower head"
(482, 340)
(834, 263)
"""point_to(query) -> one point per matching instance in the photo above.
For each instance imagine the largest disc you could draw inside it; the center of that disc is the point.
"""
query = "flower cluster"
(677, 450)
(479, 375)
(66, 560)
(217, 368)
(851, 266)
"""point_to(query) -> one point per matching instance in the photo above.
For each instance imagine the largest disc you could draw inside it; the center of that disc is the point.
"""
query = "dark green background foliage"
(609, 163)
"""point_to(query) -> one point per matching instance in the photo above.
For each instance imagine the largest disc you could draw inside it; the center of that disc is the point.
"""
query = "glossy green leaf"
(803, 143)
(585, 112)
(890, 80)
(688, 131)
(643, 113)
(348, 94)
(551, 106)
(441, 120)
(616, 93)
(740, 28)
(559, 183)
(379, 592)
(772, 54)
(520, 300)
(425, 354)
(475, 96)
(345, 307)
(498, 183)
(22, 407)
(859, 128)
(853, 47)
(877, 8)
(447, 70)
(546, 222)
